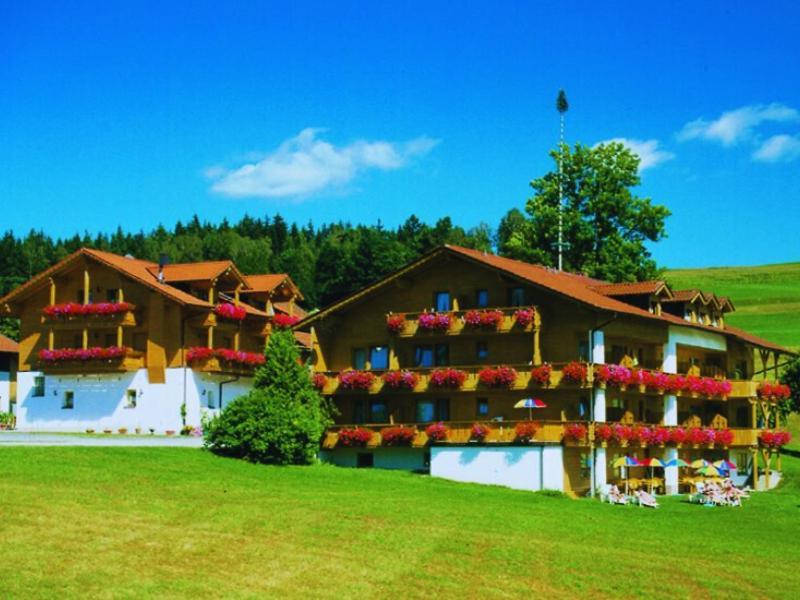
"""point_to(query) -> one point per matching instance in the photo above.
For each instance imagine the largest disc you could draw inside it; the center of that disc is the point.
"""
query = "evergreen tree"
(281, 420)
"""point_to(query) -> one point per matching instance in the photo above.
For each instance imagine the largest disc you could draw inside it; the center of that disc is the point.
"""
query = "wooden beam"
(86, 286)
(537, 350)
(52, 291)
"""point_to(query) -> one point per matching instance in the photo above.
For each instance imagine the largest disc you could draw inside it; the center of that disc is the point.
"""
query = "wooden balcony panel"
(215, 365)
(133, 362)
(79, 322)
(459, 327)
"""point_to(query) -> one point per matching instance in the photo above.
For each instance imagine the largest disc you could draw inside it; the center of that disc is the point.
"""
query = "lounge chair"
(646, 500)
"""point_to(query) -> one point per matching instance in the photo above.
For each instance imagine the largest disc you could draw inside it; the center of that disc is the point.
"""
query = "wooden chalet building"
(9, 353)
(113, 342)
(427, 366)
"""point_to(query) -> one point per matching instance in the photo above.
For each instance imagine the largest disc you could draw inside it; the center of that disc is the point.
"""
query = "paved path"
(22, 438)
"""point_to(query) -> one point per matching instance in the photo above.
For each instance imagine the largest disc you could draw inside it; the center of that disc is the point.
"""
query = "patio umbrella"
(724, 464)
(709, 471)
(530, 404)
(677, 462)
(626, 461)
(700, 462)
(652, 463)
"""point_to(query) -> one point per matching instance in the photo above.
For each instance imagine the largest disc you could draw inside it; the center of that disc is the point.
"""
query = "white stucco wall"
(100, 400)
(5, 392)
(519, 467)
(687, 336)
(407, 459)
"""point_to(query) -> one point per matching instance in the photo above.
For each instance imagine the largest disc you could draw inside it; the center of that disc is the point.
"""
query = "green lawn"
(138, 522)
(767, 298)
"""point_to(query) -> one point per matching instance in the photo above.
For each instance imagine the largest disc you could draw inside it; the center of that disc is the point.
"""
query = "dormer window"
(687, 313)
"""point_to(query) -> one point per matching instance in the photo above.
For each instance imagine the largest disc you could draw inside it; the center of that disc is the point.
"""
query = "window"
(431, 355)
(482, 298)
(358, 411)
(441, 301)
(583, 350)
(38, 386)
(378, 413)
(211, 401)
(379, 357)
(130, 399)
(482, 408)
(68, 402)
(359, 359)
(433, 410)
(482, 350)
(516, 296)
(112, 295)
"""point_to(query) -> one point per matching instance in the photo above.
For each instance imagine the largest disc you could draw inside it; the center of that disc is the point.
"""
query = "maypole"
(562, 106)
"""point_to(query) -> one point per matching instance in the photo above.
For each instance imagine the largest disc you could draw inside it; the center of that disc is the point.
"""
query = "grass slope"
(767, 298)
(135, 522)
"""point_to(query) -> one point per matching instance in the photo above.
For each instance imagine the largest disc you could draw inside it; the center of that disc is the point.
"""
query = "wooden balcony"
(458, 325)
(216, 365)
(79, 322)
(132, 362)
(472, 382)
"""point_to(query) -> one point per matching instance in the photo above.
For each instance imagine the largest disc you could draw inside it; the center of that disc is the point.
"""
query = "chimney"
(163, 261)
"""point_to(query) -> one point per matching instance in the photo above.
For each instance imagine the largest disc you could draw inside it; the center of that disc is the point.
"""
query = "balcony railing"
(132, 361)
(458, 324)
(548, 432)
(93, 317)
(525, 379)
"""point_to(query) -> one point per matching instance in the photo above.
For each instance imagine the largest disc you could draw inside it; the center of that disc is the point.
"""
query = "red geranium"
(575, 432)
(603, 432)
(678, 435)
(723, 437)
(479, 432)
(395, 323)
(82, 354)
(524, 316)
(434, 321)
(198, 353)
(660, 435)
(354, 437)
(498, 376)
(401, 379)
(398, 436)
(448, 378)
(284, 321)
(526, 430)
(436, 432)
(622, 433)
(319, 380)
(774, 439)
(541, 375)
(70, 309)
(226, 310)
(250, 359)
(356, 380)
(575, 372)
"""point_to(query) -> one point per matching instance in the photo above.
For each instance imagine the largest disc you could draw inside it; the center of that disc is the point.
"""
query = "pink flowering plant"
(437, 432)
(434, 321)
(395, 323)
(447, 378)
(401, 379)
(284, 321)
(500, 377)
(524, 316)
(73, 309)
(229, 311)
(62, 355)
(356, 380)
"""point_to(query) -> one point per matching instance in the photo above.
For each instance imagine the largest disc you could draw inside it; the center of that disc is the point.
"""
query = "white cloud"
(735, 125)
(648, 151)
(306, 164)
(778, 148)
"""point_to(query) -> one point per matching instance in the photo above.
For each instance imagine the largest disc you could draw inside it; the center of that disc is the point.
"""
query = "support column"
(600, 466)
(537, 351)
(671, 473)
(670, 365)
(600, 405)
(87, 289)
(599, 357)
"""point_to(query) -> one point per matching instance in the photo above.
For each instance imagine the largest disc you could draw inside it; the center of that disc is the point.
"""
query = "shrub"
(398, 436)
(281, 420)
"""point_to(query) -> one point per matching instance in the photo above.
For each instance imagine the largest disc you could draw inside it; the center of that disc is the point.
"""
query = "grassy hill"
(182, 523)
(767, 298)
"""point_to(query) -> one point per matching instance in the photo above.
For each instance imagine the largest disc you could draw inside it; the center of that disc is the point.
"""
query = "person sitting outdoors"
(646, 499)
(615, 496)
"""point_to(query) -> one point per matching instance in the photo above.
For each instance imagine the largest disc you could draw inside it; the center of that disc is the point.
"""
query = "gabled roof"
(269, 282)
(8, 346)
(579, 288)
(686, 296)
(199, 271)
(637, 288)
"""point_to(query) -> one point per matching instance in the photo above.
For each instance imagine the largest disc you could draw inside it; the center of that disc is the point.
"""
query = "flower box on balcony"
(284, 321)
(95, 309)
(498, 377)
(354, 437)
(440, 322)
(395, 323)
(524, 317)
(574, 372)
(319, 381)
(575, 434)
(489, 318)
(437, 432)
(400, 380)
(398, 436)
(525, 431)
(356, 380)
(229, 311)
(478, 433)
(82, 355)
(541, 375)
(447, 378)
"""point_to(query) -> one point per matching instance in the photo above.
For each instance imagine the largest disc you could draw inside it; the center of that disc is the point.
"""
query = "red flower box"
(434, 321)
(284, 321)
(356, 380)
(71, 309)
(723, 437)
(774, 439)
(249, 359)
(603, 432)
(401, 379)
(526, 430)
(498, 376)
(656, 380)
(613, 375)
(229, 311)
(198, 353)
(678, 435)
(622, 433)
(447, 378)
(660, 436)
(395, 323)
(777, 391)
(436, 432)
(479, 432)
(541, 375)
(83, 354)
(575, 372)
(524, 316)
(354, 437)
(575, 432)
(641, 434)
(398, 436)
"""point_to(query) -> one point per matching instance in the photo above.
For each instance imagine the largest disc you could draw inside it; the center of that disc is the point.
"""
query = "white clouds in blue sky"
(650, 152)
(306, 165)
(742, 125)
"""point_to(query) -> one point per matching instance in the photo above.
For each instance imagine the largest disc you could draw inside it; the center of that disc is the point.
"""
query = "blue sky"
(138, 115)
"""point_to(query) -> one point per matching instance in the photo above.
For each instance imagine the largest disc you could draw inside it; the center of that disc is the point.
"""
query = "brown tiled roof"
(268, 282)
(630, 289)
(284, 308)
(199, 271)
(303, 338)
(685, 296)
(7, 345)
(569, 285)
